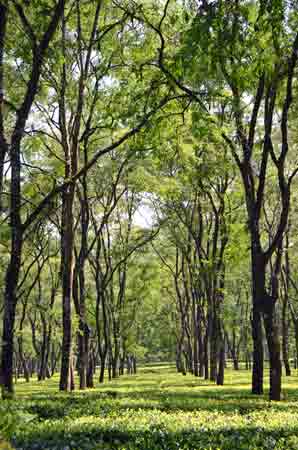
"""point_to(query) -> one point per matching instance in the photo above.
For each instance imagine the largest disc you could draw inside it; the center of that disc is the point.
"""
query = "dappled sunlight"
(157, 408)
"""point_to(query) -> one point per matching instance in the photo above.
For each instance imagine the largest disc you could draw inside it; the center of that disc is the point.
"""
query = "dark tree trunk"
(115, 357)
(13, 270)
(42, 374)
(196, 325)
(285, 309)
(179, 360)
(90, 371)
(102, 371)
(221, 365)
(201, 356)
(232, 347)
(272, 335)
(285, 337)
(79, 290)
(213, 344)
(67, 239)
(258, 353)
(189, 354)
(206, 355)
(296, 341)
(23, 360)
(129, 364)
(10, 302)
(258, 293)
(110, 366)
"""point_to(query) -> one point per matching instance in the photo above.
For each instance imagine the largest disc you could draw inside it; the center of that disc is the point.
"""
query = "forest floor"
(155, 409)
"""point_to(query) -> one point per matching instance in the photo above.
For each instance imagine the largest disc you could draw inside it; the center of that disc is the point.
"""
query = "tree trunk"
(23, 360)
(195, 339)
(221, 365)
(258, 293)
(295, 322)
(102, 370)
(206, 356)
(213, 345)
(67, 281)
(285, 311)
(258, 353)
(179, 360)
(272, 335)
(10, 302)
(90, 371)
(285, 337)
(42, 374)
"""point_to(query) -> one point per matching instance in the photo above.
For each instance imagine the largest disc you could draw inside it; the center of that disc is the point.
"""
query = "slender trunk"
(213, 344)
(195, 339)
(43, 350)
(102, 347)
(10, 302)
(102, 371)
(296, 341)
(13, 270)
(129, 365)
(272, 335)
(189, 354)
(3, 142)
(179, 362)
(67, 281)
(23, 359)
(221, 366)
(90, 371)
(232, 347)
(200, 342)
(258, 353)
(285, 309)
(206, 354)
(258, 292)
(285, 337)
(201, 355)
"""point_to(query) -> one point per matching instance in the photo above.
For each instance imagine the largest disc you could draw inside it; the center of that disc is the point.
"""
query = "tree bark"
(221, 365)
(272, 335)
(258, 292)
(67, 239)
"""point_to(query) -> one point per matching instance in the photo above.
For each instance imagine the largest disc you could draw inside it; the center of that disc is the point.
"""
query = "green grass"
(156, 409)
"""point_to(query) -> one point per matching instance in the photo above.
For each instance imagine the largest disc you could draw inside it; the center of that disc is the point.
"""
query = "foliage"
(157, 409)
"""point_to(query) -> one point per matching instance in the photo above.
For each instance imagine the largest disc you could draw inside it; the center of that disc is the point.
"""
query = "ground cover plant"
(155, 409)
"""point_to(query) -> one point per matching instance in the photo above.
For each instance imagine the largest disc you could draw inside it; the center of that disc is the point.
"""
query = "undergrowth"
(156, 409)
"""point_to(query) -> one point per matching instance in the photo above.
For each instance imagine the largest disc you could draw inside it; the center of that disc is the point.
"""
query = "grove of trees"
(148, 179)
